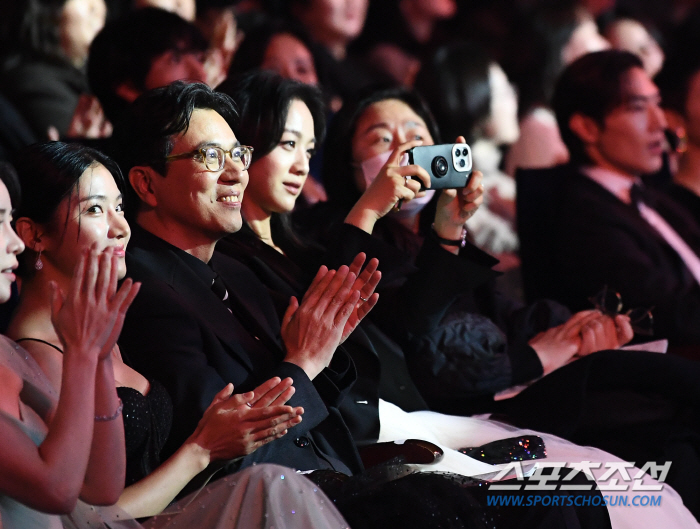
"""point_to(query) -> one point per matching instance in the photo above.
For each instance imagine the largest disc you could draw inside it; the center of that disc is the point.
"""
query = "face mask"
(370, 170)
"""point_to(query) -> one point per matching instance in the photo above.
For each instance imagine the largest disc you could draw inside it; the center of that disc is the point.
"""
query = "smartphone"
(449, 165)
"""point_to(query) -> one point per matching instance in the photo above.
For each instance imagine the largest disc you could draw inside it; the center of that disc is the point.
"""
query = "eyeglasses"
(214, 158)
(609, 303)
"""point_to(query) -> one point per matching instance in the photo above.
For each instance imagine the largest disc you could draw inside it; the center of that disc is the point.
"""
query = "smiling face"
(10, 245)
(277, 178)
(92, 213)
(631, 139)
(195, 205)
(382, 127)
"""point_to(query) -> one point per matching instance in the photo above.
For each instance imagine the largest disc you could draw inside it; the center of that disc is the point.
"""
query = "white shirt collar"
(616, 183)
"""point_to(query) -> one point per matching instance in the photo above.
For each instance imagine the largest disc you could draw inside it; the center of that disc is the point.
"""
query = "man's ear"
(141, 179)
(127, 91)
(585, 127)
(30, 233)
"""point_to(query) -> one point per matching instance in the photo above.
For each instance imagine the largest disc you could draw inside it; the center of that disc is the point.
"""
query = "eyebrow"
(385, 125)
(297, 134)
(216, 144)
(636, 98)
(98, 197)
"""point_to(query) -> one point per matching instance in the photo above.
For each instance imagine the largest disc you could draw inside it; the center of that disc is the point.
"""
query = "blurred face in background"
(186, 9)
(331, 21)
(80, 21)
(176, 65)
(503, 123)
(630, 35)
(289, 57)
(436, 9)
(585, 39)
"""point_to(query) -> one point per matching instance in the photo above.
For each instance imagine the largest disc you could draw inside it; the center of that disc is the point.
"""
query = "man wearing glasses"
(203, 320)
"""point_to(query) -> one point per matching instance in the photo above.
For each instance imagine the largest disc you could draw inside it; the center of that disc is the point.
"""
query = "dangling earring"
(39, 264)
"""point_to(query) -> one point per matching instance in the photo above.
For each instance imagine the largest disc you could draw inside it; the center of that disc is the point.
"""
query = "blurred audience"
(45, 45)
(551, 38)
(470, 94)
(630, 35)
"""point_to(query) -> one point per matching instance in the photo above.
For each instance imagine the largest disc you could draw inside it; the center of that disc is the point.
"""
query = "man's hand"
(604, 333)
(556, 346)
(366, 282)
(312, 331)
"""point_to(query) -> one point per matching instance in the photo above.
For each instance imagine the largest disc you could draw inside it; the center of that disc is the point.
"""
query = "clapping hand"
(89, 317)
(366, 283)
(312, 330)
(237, 425)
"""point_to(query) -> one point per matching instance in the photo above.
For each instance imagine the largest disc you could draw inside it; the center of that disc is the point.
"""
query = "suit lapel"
(167, 266)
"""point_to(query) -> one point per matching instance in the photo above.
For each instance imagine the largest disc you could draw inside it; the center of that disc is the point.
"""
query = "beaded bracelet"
(107, 418)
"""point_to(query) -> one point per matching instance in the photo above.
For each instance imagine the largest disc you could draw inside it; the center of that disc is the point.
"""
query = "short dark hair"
(263, 100)
(145, 135)
(126, 47)
(49, 172)
(591, 86)
(456, 85)
(338, 177)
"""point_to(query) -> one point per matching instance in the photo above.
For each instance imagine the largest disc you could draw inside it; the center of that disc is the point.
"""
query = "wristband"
(107, 418)
(461, 242)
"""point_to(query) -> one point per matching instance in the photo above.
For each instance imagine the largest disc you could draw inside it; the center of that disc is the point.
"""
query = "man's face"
(631, 139)
(196, 205)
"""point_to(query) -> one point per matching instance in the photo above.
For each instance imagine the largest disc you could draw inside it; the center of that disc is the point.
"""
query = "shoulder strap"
(40, 341)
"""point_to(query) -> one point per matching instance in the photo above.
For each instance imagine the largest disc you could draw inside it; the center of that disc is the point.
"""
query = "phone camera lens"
(462, 163)
(439, 166)
(464, 152)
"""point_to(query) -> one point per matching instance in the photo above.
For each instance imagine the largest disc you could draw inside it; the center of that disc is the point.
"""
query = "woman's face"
(80, 21)
(277, 178)
(289, 57)
(503, 122)
(10, 245)
(92, 214)
(333, 20)
(630, 35)
(382, 127)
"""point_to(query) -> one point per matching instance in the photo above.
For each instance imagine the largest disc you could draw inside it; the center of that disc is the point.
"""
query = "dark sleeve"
(642, 269)
(161, 339)
(414, 296)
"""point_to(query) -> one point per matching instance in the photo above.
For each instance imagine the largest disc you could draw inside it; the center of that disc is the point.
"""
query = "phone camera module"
(439, 166)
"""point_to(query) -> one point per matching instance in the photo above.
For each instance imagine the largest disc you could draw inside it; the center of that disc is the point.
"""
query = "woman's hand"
(233, 427)
(89, 318)
(456, 206)
(392, 184)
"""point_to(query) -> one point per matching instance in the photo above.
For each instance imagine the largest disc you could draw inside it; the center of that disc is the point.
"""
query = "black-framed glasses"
(214, 158)
(609, 303)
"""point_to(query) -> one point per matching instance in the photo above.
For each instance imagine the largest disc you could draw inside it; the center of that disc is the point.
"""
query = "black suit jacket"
(598, 240)
(179, 332)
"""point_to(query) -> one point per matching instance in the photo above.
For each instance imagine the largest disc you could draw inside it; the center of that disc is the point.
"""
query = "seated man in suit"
(610, 230)
(203, 320)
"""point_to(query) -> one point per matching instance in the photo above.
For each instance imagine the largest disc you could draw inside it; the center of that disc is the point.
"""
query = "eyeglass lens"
(215, 157)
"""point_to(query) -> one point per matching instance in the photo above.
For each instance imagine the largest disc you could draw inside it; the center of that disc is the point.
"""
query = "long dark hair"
(263, 100)
(455, 83)
(48, 173)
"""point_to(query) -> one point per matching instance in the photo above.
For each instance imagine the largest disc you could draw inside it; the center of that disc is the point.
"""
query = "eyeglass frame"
(202, 150)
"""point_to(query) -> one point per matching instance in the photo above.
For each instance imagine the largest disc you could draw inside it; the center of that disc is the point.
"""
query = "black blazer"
(179, 332)
(597, 240)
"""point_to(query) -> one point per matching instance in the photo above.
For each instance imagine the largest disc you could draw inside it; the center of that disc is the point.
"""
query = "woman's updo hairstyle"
(49, 172)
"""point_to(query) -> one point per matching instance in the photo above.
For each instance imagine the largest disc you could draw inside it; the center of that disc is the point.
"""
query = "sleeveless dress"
(264, 496)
